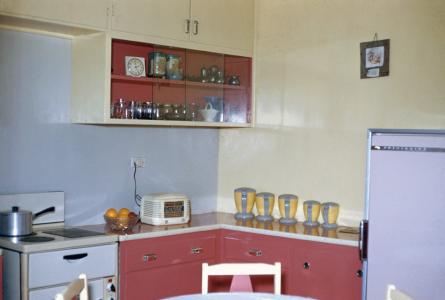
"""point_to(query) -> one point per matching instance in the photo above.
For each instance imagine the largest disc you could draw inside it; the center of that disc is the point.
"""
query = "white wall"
(40, 150)
(313, 109)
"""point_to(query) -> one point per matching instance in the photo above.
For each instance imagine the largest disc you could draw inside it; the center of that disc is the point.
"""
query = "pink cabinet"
(161, 267)
(325, 271)
(166, 266)
(249, 247)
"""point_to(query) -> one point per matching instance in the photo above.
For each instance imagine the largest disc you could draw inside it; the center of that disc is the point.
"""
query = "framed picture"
(134, 66)
(374, 59)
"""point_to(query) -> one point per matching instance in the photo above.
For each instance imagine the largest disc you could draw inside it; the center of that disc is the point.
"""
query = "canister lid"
(311, 202)
(288, 196)
(245, 190)
(265, 195)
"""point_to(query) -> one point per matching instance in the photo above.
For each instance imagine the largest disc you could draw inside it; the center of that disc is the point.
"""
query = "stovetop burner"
(36, 239)
(72, 232)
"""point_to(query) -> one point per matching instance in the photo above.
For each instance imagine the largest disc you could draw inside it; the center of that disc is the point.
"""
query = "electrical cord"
(137, 198)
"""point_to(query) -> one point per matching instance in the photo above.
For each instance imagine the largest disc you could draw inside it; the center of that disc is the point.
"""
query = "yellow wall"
(312, 108)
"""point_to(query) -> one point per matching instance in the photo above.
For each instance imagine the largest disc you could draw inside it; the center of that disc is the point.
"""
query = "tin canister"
(244, 201)
(287, 204)
(311, 209)
(330, 211)
(158, 62)
(264, 206)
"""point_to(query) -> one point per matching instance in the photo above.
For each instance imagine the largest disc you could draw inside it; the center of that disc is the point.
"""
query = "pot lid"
(16, 210)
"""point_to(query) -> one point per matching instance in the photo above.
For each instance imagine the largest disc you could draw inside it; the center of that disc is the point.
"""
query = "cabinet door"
(163, 282)
(226, 23)
(325, 271)
(1, 277)
(161, 18)
(78, 12)
(248, 247)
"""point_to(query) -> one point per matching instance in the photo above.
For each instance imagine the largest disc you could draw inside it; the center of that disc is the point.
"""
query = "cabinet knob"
(359, 273)
(149, 257)
(306, 265)
(197, 250)
(255, 252)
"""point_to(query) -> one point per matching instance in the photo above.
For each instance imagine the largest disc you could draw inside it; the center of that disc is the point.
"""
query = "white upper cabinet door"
(225, 23)
(160, 18)
(74, 12)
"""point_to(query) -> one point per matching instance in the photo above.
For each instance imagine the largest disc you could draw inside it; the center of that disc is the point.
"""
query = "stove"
(69, 251)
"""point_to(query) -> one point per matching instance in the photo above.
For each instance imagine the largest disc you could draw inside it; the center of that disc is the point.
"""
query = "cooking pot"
(19, 222)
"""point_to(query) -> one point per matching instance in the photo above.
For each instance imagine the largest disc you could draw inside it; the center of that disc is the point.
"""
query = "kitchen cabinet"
(81, 13)
(325, 271)
(102, 93)
(227, 24)
(165, 266)
(160, 18)
(249, 247)
(169, 266)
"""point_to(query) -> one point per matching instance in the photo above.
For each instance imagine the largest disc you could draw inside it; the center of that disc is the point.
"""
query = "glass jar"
(147, 110)
(157, 64)
(173, 70)
(165, 111)
(117, 109)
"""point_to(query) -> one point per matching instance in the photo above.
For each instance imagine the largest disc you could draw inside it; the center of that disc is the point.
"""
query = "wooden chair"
(241, 271)
(392, 293)
(78, 287)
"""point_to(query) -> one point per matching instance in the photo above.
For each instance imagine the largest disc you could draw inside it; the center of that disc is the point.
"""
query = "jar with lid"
(117, 109)
(177, 112)
(158, 61)
(165, 111)
(147, 110)
(173, 70)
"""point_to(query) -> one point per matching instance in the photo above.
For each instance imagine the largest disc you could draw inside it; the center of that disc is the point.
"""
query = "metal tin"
(244, 201)
(158, 62)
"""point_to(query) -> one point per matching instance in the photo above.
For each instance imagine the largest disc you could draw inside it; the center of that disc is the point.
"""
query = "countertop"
(212, 221)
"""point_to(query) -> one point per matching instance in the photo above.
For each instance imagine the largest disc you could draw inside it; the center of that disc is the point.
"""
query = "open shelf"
(150, 80)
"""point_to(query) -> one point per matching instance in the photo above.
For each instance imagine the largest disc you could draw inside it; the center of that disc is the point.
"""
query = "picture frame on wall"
(374, 59)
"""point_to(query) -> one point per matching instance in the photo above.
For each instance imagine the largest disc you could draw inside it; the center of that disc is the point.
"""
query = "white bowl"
(208, 114)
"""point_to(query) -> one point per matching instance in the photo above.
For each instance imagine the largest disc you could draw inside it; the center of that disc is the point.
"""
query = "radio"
(165, 209)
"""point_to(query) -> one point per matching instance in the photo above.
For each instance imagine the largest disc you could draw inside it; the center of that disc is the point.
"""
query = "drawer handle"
(150, 257)
(255, 252)
(197, 250)
(306, 265)
(75, 256)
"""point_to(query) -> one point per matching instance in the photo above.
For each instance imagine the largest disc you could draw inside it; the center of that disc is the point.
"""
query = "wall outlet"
(139, 161)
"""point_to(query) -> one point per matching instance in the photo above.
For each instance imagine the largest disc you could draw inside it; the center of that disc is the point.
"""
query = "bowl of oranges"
(122, 219)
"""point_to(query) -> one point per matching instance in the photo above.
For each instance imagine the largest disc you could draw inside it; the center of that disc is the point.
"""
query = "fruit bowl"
(121, 223)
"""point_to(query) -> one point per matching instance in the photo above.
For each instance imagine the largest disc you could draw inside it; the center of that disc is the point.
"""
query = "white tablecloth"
(237, 296)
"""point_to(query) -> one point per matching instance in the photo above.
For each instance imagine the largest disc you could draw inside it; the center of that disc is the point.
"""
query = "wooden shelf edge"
(167, 123)
(150, 80)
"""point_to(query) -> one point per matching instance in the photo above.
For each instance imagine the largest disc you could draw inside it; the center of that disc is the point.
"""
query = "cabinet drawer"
(156, 252)
(57, 267)
(240, 246)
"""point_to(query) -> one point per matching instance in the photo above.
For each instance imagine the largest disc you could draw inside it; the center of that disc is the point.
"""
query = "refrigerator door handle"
(363, 240)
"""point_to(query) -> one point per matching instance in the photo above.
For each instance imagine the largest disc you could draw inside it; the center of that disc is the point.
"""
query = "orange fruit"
(123, 212)
(111, 213)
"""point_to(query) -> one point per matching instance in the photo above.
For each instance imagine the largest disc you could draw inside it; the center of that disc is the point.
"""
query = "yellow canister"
(330, 211)
(244, 201)
(264, 205)
(288, 203)
(311, 209)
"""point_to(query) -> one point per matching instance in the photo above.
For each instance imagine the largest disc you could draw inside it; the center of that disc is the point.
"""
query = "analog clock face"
(135, 67)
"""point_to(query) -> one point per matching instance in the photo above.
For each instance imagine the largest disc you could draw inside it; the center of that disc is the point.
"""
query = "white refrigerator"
(403, 234)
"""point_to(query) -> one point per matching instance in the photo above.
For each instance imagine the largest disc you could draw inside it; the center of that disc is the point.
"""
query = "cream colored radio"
(165, 209)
